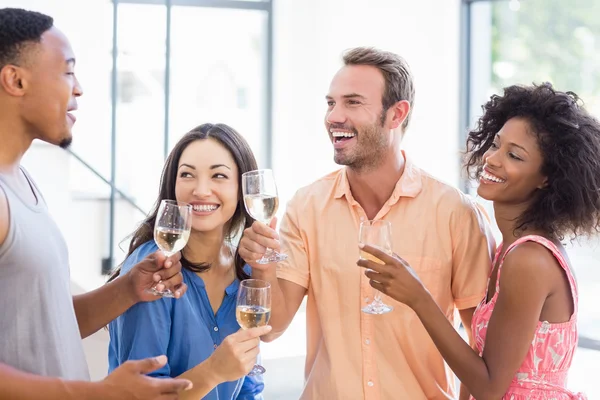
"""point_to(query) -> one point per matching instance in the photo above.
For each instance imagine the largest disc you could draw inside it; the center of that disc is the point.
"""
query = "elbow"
(267, 338)
(488, 392)
(270, 337)
(487, 396)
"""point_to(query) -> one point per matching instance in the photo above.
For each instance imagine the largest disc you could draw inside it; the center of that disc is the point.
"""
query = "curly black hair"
(569, 140)
(18, 28)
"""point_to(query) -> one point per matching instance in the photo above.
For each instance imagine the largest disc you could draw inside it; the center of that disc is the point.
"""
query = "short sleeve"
(296, 268)
(473, 250)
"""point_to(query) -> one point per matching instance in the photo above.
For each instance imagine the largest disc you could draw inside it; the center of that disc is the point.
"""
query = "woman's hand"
(393, 277)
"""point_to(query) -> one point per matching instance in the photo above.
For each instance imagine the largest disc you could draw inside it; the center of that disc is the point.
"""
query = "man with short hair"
(41, 324)
(436, 228)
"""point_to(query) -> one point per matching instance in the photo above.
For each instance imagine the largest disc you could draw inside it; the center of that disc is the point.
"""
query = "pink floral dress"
(543, 374)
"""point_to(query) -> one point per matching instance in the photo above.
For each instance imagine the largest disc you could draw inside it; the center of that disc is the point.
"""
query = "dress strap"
(555, 252)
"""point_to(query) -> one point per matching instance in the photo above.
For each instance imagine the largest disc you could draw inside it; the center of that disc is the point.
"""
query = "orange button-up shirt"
(352, 355)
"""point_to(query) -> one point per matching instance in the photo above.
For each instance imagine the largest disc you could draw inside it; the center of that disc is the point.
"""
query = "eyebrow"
(352, 95)
(520, 147)
(514, 144)
(215, 166)
(348, 96)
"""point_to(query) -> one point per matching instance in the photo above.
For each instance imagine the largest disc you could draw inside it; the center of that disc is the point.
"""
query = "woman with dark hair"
(204, 169)
(536, 153)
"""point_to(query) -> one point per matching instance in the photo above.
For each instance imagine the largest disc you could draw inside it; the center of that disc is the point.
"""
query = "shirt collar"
(409, 185)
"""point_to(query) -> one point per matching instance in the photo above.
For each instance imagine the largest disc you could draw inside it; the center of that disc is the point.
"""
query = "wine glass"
(253, 309)
(378, 234)
(261, 200)
(171, 231)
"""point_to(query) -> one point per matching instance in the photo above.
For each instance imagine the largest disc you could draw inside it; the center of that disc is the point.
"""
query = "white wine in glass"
(261, 201)
(172, 231)
(252, 316)
(253, 309)
(170, 241)
(378, 234)
(263, 207)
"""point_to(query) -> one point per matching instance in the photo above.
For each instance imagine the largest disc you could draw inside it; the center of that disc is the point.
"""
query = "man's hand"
(237, 354)
(156, 271)
(256, 240)
(129, 382)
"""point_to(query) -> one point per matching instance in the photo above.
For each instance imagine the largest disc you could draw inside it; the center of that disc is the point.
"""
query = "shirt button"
(216, 328)
(370, 383)
(367, 342)
(215, 346)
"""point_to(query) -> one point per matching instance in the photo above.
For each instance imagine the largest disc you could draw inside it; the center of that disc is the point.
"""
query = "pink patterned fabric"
(543, 374)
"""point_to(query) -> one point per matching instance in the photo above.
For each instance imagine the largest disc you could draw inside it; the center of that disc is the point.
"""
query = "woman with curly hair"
(536, 152)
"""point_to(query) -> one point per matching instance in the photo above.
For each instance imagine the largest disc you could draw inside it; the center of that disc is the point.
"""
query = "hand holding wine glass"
(261, 201)
(236, 355)
(253, 308)
(376, 233)
(172, 231)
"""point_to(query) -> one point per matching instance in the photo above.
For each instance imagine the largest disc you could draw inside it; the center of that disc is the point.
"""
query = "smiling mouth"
(342, 136)
(486, 176)
(204, 208)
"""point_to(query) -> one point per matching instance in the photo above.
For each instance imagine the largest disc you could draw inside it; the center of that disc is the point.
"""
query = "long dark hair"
(245, 161)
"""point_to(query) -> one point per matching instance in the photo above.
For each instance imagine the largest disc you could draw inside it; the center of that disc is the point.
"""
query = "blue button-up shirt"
(185, 329)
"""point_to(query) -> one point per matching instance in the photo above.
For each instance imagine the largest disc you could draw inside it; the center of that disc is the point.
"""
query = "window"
(535, 41)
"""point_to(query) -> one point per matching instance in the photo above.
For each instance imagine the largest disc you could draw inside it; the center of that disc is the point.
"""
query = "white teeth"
(342, 134)
(491, 177)
(205, 207)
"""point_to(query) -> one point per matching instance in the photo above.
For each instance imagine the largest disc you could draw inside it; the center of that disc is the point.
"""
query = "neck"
(507, 220)
(372, 188)
(15, 142)
(209, 247)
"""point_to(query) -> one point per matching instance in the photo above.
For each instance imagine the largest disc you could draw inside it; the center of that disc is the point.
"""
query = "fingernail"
(189, 386)
(160, 287)
(361, 246)
(156, 278)
(161, 359)
(177, 294)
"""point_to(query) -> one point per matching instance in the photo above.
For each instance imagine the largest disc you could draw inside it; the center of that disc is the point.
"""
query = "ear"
(400, 112)
(13, 80)
(544, 183)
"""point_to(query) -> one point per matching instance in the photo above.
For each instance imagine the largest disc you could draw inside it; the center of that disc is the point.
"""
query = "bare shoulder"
(529, 263)
(4, 217)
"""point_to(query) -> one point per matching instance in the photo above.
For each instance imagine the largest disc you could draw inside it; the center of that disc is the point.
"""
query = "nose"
(335, 115)
(492, 158)
(77, 89)
(202, 188)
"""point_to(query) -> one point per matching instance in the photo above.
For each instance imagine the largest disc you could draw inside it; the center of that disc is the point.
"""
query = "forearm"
(97, 308)
(464, 393)
(18, 385)
(203, 379)
(470, 369)
(466, 316)
(281, 316)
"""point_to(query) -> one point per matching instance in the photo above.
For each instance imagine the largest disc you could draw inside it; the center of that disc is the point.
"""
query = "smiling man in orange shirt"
(436, 228)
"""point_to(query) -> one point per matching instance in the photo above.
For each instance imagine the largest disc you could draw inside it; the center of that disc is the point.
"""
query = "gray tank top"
(38, 329)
